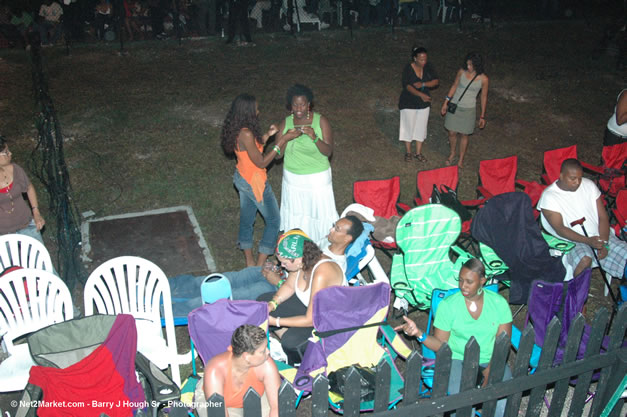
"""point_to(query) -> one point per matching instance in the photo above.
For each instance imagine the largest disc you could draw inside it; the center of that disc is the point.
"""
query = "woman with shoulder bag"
(460, 106)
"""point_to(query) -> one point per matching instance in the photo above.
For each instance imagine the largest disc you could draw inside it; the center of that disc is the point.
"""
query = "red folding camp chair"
(620, 211)
(496, 176)
(611, 172)
(553, 162)
(425, 180)
(439, 177)
(381, 196)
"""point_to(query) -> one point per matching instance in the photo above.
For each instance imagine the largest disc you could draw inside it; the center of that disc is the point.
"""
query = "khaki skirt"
(463, 121)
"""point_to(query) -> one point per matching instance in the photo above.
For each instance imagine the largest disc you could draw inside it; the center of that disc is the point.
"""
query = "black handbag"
(449, 199)
(452, 107)
(367, 382)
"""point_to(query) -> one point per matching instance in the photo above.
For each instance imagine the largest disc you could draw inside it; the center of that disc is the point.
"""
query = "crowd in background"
(53, 21)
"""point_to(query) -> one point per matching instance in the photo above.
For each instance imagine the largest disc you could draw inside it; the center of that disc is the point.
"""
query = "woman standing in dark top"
(419, 77)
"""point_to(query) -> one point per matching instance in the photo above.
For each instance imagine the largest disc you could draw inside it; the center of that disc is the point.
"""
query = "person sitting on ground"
(251, 282)
(469, 312)
(245, 364)
(572, 198)
(291, 307)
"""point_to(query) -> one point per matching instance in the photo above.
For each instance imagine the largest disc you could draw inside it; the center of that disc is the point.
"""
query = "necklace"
(472, 307)
(12, 202)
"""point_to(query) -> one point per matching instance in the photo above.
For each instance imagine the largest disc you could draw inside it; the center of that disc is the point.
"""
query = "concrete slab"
(169, 237)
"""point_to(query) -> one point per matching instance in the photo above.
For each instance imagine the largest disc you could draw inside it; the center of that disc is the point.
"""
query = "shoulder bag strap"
(460, 97)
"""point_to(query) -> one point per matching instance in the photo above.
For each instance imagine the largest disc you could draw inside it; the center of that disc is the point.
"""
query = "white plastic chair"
(30, 299)
(300, 16)
(24, 251)
(370, 260)
(136, 286)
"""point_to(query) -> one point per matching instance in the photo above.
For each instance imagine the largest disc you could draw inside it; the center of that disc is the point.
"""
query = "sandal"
(420, 157)
(450, 161)
(408, 157)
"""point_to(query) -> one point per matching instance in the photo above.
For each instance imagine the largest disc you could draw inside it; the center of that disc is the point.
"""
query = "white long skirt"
(307, 203)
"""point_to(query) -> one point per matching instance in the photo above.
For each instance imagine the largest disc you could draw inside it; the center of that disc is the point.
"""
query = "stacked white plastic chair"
(24, 251)
(30, 299)
(136, 286)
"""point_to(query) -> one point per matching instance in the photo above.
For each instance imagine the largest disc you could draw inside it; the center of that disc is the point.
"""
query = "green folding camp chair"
(425, 236)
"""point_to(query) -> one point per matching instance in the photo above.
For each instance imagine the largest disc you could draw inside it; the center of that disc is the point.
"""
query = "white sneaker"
(324, 25)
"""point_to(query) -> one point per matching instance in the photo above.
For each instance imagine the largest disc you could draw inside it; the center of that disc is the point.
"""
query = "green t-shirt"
(453, 316)
(301, 154)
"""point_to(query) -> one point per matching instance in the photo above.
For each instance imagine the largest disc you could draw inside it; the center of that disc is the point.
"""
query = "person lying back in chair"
(251, 282)
(469, 312)
(573, 198)
(245, 364)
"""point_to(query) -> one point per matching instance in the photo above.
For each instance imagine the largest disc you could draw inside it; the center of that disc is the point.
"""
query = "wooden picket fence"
(607, 369)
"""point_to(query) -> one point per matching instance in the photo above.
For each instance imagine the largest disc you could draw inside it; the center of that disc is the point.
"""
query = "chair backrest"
(135, 286)
(103, 348)
(215, 287)
(425, 235)
(212, 325)
(31, 299)
(553, 162)
(548, 300)
(24, 251)
(379, 195)
(499, 175)
(614, 159)
(343, 307)
(506, 224)
(621, 208)
(425, 180)
(614, 156)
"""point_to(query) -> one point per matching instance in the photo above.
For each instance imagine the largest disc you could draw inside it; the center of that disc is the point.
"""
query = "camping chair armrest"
(594, 168)
(28, 408)
(162, 387)
(484, 192)
(474, 203)
(402, 207)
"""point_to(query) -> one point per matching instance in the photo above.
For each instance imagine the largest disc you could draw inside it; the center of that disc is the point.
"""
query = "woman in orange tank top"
(241, 135)
(246, 364)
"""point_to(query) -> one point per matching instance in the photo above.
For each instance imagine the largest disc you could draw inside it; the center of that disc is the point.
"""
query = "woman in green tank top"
(307, 200)
(471, 79)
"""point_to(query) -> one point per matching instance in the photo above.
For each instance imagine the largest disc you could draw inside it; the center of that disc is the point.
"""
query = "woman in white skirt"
(307, 200)
(418, 79)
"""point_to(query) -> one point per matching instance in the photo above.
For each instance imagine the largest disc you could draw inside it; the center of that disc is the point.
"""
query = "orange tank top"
(256, 177)
(235, 399)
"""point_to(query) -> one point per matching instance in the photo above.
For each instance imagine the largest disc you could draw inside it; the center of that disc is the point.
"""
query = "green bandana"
(290, 244)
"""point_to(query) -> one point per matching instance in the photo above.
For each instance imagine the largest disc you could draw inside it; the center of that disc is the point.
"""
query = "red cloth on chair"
(102, 382)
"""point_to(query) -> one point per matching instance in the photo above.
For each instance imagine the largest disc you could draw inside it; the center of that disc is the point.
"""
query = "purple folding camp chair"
(562, 300)
(212, 325)
(347, 321)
